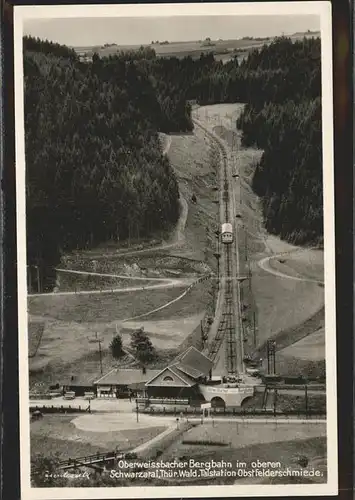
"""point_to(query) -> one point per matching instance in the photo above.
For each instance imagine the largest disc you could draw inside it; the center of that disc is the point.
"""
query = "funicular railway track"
(229, 332)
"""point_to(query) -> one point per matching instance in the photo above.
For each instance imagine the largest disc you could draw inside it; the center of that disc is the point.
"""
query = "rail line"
(229, 331)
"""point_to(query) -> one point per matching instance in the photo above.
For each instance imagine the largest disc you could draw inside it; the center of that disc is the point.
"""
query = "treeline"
(94, 164)
(288, 128)
(46, 47)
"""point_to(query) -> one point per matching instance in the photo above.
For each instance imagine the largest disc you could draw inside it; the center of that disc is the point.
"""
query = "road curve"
(264, 264)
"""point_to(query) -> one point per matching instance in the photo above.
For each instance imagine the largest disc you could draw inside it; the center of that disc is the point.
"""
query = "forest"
(94, 164)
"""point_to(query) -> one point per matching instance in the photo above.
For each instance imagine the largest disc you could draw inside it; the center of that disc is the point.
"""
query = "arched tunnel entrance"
(218, 402)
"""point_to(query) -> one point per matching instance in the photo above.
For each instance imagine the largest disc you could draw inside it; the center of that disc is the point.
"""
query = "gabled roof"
(126, 377)
(188, 366)
(192, 372)
(188, 380)
(194, 363)
(181, 380)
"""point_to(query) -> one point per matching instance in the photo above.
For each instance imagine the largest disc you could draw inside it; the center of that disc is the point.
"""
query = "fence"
(60, 409)
(72, 463)
(228, 412)
(40, 396)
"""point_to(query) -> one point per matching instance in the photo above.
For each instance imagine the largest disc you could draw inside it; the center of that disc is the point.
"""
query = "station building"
(180, 380)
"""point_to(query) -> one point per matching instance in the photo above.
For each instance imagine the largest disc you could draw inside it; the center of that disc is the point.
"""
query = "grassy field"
(100, 308)
(289, 402)
(304, 263)
(35, 332)
(57, 434)
(250, 442)
(195, 167)
(151, 264)
(69, 282)
(72, 322)
(283, 305)
(309, 348)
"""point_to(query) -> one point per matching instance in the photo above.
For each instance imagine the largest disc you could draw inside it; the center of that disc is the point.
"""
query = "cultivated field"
(222, 49)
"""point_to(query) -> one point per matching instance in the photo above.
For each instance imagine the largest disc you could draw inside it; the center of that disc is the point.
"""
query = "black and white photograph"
(175, 227)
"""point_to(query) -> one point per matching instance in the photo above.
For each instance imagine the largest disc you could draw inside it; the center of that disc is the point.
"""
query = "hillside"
(95, 168)
(284, 119)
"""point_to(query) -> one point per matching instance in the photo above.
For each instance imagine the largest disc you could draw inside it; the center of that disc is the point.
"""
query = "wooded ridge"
(94, 164)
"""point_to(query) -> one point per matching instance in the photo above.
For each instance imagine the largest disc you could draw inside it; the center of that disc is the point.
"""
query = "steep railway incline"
(225, 345)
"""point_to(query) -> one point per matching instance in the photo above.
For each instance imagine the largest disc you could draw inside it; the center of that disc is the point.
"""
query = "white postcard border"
(321, 8)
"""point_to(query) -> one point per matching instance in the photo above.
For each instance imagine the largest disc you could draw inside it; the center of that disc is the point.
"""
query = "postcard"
(176, 261)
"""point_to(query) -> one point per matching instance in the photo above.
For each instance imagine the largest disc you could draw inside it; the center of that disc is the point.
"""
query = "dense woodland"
(95, 169)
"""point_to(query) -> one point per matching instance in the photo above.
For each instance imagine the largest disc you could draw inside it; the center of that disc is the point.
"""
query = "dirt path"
(161, 307)
(154, 440)
(172, 284)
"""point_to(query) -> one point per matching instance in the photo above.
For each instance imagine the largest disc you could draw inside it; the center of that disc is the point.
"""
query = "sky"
(81, 32)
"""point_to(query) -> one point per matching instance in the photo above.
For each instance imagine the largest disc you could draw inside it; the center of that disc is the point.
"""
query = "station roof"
(188, 368)
(126, 377)
(193, 363)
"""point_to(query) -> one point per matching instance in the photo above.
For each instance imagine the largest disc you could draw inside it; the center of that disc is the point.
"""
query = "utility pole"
(100, 352)
(137, 410)
(271, 360)
(38, 279)
(254, 328)
(246, 244)
(249, 275)
(306, 398)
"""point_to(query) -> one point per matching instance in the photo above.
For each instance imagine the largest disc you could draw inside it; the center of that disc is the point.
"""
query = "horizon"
(136, 31)
(172, 42)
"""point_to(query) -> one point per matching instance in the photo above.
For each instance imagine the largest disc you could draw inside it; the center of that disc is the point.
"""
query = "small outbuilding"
(78, 385)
